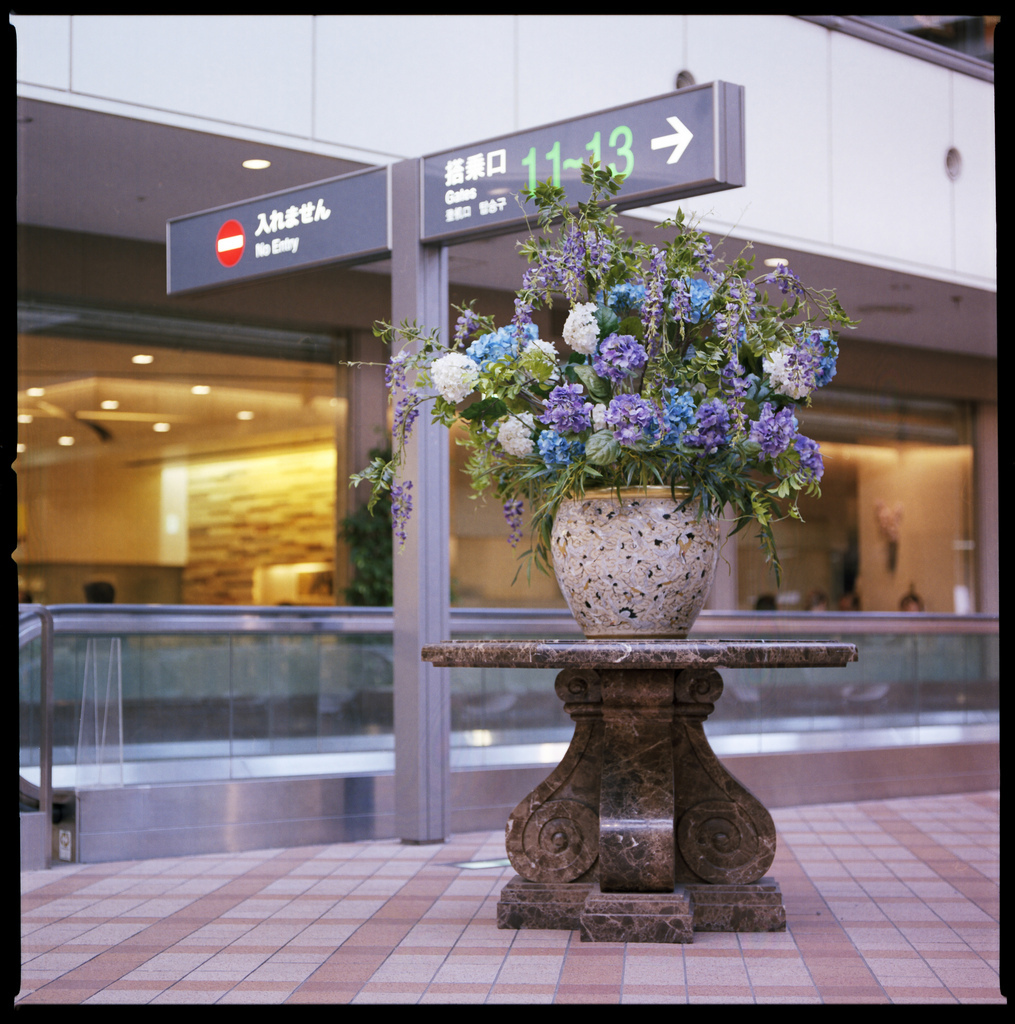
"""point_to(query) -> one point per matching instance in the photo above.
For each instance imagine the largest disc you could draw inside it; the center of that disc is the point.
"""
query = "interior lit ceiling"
(86, 171)
(90, 400)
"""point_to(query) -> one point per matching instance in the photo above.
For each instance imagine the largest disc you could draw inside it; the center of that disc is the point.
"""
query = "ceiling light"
(200, 389)
(21, 447)
(256, 165)
(66, 440)
(109, 403)
(24, 417)
(142, 359)
(777, 261)
(245, 414)
(36, 392)
(160, 428)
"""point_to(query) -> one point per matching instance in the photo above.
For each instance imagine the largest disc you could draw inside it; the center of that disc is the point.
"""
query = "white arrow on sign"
(679, 140)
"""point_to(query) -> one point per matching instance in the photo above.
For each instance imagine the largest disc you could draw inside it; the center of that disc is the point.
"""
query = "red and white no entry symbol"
(229, 243)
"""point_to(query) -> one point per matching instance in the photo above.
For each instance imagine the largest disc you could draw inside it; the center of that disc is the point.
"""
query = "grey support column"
(422, 581)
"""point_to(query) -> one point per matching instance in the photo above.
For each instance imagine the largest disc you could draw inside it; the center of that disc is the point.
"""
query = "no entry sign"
(229, 243)
(338, 220)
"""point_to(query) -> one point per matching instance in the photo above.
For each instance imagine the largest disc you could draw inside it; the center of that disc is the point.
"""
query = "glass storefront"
(214, 472)
(895, 519)
(178, 475)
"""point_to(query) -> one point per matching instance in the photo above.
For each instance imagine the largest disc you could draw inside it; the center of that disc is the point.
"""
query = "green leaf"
(607, 321)
(597, 387)
(487, 410)
(601, 448)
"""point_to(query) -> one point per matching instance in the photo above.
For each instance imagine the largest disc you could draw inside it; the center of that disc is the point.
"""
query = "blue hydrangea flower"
(625, 299)
(619, 356)
(633, 419)
(558, 451)
(678, 415)
(488, 348)
(821, 341)
(712, 427)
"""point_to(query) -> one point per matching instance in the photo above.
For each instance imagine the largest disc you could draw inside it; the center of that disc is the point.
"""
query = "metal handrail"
(104, 619)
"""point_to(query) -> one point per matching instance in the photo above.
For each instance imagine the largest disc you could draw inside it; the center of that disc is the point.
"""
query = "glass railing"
(145, 694)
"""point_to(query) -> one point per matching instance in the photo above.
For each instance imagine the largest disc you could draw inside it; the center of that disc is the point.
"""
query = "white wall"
(846, 140)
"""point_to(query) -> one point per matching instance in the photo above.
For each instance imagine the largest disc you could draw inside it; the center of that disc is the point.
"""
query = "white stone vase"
(637, 567)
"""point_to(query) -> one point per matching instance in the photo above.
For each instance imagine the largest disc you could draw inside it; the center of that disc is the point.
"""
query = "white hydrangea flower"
(454, 375)
(599, 416)
(544, 346)
(581, 331)
(515, 434)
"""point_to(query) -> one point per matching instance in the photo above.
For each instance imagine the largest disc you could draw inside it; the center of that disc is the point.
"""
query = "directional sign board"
(682, 144)
(339, 220)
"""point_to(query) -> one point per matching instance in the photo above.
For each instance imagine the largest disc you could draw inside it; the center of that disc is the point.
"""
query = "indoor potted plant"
(670, 397)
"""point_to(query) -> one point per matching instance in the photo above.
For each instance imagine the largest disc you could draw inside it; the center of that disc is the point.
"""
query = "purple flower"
(785, 279)
(633, 419)
(572, 258)
(406, 411)
(735, 386)
(690, 298)
(653, 308)
(811, 465)
(465, 325)
(774, 431)
(514, 513)
(619, 356)
(712, 427)
(401, 509)
(567, 410)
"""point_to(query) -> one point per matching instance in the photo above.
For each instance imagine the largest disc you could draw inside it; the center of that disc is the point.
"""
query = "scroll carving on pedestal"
(724, 833)
(553, 834)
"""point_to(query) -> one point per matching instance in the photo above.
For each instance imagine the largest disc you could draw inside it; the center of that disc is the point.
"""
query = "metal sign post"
(422, 570)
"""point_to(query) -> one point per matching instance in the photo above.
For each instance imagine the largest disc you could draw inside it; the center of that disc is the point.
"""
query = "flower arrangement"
(673, 369)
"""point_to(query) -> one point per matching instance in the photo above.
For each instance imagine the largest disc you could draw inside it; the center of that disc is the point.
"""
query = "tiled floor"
(890, 901)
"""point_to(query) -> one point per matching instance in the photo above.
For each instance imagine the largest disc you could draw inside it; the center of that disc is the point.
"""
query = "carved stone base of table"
(641, 834)
(642, 916)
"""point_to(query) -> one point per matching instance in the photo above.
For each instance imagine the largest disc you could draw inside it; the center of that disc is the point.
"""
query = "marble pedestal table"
(640, 833)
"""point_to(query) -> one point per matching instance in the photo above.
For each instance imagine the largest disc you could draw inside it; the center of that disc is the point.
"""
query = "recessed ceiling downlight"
(777, 261)
(256, 165)
(142, 359)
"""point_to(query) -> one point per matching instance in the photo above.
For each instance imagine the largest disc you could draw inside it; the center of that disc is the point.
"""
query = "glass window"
(895, 518)
(180, 475)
